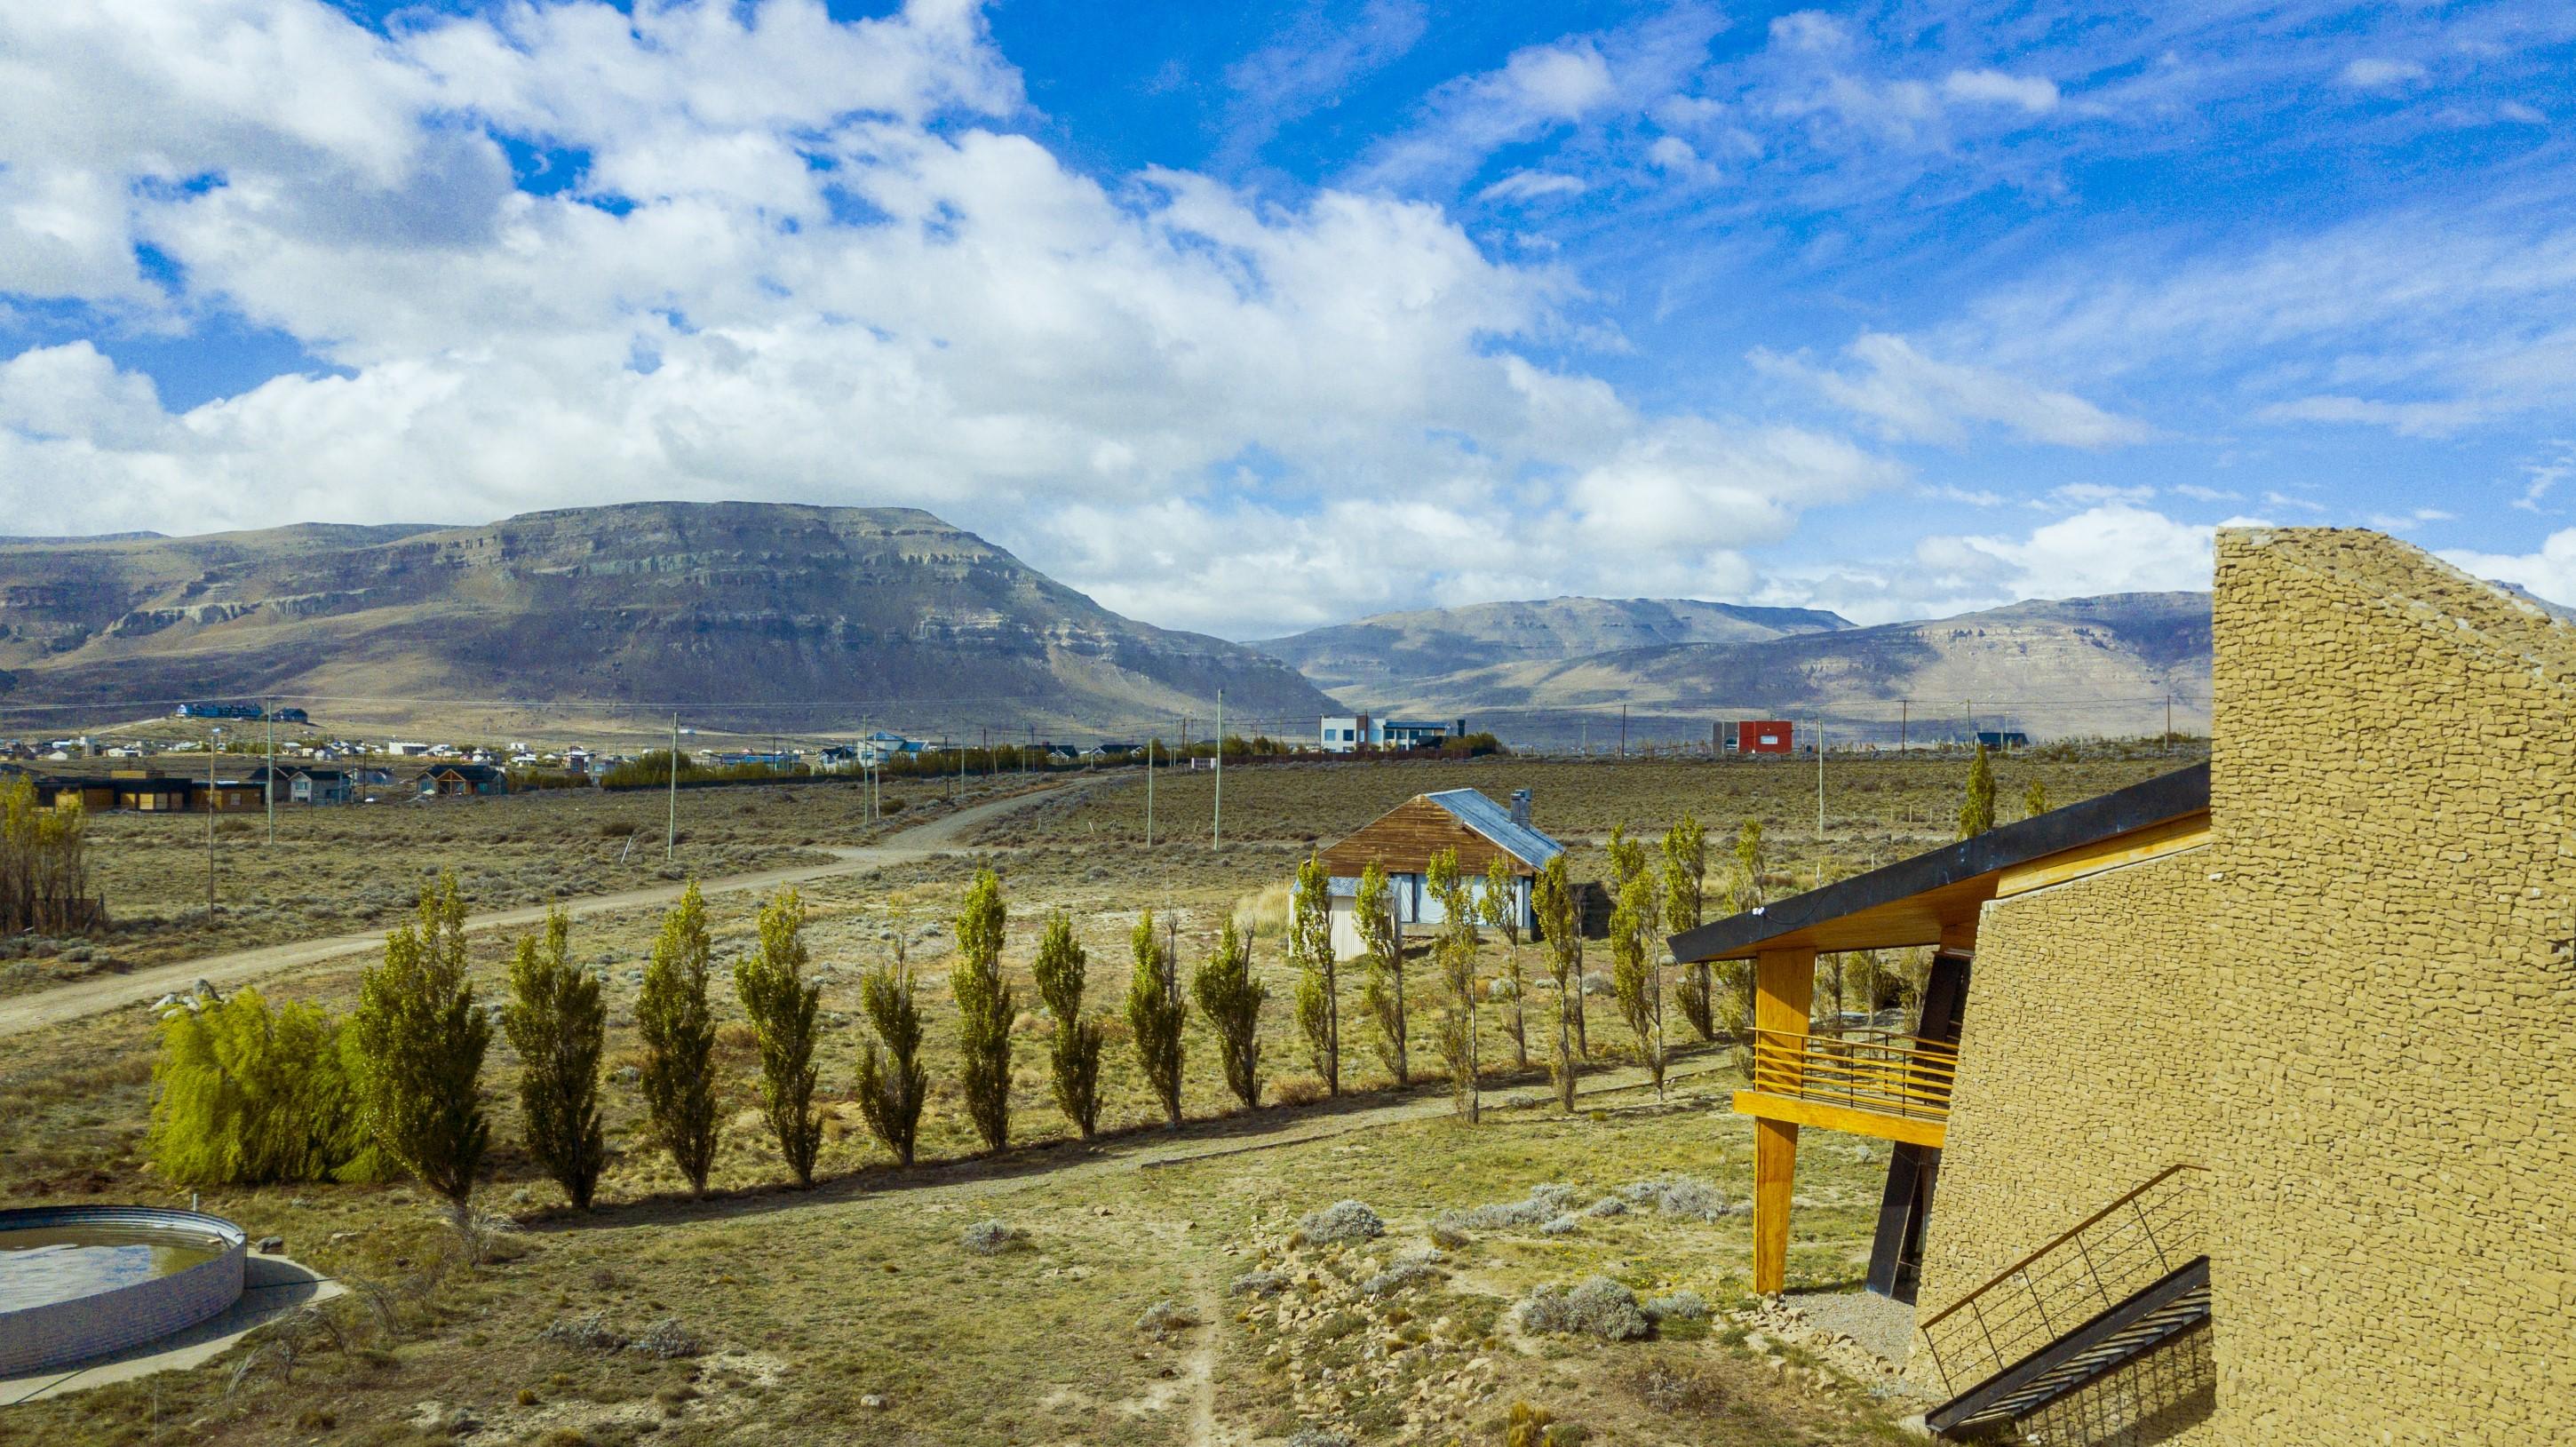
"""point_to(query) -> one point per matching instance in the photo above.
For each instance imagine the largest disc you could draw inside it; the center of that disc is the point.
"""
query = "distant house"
(1348, 733)
(1110, 753)
(460, 781)
(299, 785)
(1403, 841)
(2003, 738)
(880, 746)
(578, 760)
(1760, 736)
(401, 750)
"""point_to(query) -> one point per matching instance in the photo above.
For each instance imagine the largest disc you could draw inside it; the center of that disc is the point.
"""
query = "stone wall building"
(2258, 1121)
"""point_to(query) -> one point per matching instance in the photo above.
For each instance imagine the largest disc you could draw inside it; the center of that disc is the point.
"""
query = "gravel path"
(1880, 1325)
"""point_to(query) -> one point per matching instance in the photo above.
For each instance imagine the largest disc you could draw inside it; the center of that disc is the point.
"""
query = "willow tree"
(1453, 953)
(1230, 997)
(1559, 924)
(782, 1003)
(1500, 909)
(1073, 1055)
(1685, 895)
(893, 1083)
(423, 1040)
(1635, 974)
(983, 1011)
(1382, 957)
(679, 1030)
(558, 1024)
(1977, 811)
(1155, 1015)
(1319, 984)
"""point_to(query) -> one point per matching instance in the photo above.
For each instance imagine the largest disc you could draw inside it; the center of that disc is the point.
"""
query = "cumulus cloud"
(2549, 572)
(1910, 395)
(778, 256)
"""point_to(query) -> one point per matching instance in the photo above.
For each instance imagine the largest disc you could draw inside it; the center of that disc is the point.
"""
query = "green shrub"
(672, 1015)
(893, 1083)
(250, 1095)
(1231, 997)
(558, 1025)
(1154, 1014)
(1074, 1053)
(423, 1039)
(781, 1003)
(984, 1011)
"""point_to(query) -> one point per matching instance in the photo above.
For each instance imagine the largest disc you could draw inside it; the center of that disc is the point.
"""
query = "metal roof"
(1908, 902)
(1471, 808)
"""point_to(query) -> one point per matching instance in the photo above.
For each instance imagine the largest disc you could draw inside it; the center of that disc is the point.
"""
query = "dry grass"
(816, 1301)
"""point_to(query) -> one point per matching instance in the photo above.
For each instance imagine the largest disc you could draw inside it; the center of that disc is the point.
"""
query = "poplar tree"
(893, 1083)
(984, 1011)
(1746, 889)
(782, 1003)
(1635, 975)
(1685, 895)
(1231, 999)
(679, 1031)
(1500, 908)
(1073, 1055)
(1382, 956)
(1154, 1015)
(558, 1024)
(423, 1042)
(1319, 984)
(1559, 926)
(2034, 800)
(1977, 814)
(1453, 953)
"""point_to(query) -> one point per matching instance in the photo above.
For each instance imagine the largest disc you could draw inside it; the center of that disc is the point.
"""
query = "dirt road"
(110, 992)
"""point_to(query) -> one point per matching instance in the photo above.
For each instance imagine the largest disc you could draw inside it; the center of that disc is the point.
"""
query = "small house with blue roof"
(1403, 841)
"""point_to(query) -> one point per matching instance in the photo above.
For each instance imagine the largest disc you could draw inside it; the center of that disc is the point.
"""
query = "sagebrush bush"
(993, 1237)
(1341, 1222)
(1257, 1283)
(1600, 1307)
(1411, 1269)
(1677, 1306)
(1544, 1203)
(1687, 1197)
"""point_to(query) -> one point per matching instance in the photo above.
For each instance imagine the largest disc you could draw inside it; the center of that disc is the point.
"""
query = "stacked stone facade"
(2394, 1073)
(2356, 1006)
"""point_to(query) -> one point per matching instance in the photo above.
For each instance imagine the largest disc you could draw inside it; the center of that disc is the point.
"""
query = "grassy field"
(338, 869)
(854, 1313)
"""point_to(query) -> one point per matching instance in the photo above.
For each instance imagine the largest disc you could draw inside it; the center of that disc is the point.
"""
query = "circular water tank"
(82, 1281)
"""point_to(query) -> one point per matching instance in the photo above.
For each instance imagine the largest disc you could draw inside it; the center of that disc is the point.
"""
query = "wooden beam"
(1960, 938)
(2171, 837)
(1775, 1167)
(1784, 992)
(1795, 1110)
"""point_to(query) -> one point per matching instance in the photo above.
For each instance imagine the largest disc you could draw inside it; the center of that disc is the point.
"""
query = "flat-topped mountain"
(726, 611)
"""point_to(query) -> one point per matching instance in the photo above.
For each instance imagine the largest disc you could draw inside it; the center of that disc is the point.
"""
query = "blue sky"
(1254, 317)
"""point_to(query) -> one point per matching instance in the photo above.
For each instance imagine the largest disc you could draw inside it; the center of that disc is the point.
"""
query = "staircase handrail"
(2060, 1239)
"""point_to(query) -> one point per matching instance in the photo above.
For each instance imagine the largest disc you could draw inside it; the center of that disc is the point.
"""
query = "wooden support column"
(1784, 991)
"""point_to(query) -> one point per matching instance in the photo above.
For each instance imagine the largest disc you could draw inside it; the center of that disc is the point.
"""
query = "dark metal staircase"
(2120, 1284)
(2084, 1355)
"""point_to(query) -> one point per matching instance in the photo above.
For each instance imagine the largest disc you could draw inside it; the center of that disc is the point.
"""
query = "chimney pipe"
(1521, 807)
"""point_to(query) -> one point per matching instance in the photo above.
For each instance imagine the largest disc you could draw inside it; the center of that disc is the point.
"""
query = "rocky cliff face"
(1395, 650)
(744, 614)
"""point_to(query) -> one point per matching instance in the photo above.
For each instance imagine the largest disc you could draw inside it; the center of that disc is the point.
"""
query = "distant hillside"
(1403, 652)
(2073, 666)
(856, 614)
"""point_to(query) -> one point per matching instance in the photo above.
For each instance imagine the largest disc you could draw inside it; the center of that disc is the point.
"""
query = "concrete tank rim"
(52, 1334)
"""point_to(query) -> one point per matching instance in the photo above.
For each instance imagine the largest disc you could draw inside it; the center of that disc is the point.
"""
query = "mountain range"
(744, 616)
(750, 617)
(1562, 669)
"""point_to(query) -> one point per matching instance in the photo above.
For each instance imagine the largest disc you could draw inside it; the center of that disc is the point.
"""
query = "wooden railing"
(1874, 1070)
(2100, 1261)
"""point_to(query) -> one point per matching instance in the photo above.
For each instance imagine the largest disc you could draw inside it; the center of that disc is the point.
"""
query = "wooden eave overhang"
(1916, 901)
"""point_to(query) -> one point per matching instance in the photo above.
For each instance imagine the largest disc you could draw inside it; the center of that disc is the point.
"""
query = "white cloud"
(1910, 395)
(805, 260)
(1525, 186)
(2549, 572)
(2375, 74)
(2113, 548)
(2033, 93)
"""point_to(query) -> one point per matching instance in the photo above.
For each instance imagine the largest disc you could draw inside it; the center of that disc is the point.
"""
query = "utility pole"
(214, 746)
(2168, 723)
(1820, 786)
(1216, 831)
(1152, 746)
(671, 816)
(269, 707)
(1972, 725)
(1904, 716)
(1623, 731)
